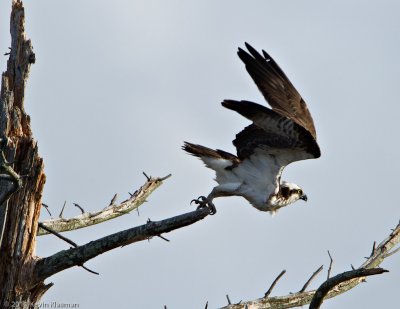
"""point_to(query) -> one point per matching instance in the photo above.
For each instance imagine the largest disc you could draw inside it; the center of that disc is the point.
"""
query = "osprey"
(276, 138)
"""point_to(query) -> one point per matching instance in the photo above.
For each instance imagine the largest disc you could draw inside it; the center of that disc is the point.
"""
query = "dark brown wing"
(277, 88)
(272, 133)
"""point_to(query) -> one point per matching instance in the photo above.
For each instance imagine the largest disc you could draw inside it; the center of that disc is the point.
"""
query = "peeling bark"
(22, 179)
(21, 211)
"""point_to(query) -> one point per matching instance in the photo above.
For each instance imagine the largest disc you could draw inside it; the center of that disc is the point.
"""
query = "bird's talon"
(200, 207)
(201, 200)
(212, 208)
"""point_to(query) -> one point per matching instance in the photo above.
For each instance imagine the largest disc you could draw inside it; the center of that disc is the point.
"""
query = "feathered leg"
(218, 191)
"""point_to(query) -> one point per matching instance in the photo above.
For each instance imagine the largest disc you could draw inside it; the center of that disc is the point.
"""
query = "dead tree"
(22, 179)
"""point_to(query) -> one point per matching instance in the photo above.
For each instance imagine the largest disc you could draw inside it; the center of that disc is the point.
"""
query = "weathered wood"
(329, 284)
(48, 266)
(113, 211)
(21, 211)
(21, 185)
(382, 251)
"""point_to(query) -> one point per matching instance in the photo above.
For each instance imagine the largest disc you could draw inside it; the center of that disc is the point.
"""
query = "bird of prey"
(276, 138)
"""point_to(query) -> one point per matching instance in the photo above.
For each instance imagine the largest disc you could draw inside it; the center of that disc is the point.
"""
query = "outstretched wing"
(277, 88)
(272, 135)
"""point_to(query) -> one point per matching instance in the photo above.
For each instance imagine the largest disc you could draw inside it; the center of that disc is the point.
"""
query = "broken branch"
(311, 278)
(90, 218)
(329, 284)
(382, 251)
(274, 283)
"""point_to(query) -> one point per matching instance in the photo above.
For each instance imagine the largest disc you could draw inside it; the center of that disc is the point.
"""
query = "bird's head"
(290, 193)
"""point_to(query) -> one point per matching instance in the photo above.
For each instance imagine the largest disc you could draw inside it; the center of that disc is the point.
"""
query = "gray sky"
(119, 85)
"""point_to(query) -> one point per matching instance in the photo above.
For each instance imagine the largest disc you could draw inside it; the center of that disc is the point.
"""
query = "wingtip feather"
(246, 108)
(188, 147)
(229, 104)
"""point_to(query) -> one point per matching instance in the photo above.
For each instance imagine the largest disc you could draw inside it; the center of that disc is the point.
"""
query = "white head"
(288, 193)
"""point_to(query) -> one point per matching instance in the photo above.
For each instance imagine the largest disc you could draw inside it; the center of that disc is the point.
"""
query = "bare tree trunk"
(22, 177)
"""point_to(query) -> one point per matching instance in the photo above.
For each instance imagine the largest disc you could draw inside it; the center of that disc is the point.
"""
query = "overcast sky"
(119, 85)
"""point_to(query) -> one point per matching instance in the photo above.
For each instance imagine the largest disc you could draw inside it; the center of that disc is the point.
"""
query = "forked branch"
(110, 212)
(333, 286)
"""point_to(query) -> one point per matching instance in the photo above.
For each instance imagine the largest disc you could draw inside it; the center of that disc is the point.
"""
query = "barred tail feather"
(214, 159)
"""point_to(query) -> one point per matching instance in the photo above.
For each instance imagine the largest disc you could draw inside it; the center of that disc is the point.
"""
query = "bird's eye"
(300, 192)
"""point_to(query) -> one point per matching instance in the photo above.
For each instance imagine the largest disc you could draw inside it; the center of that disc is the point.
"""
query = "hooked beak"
(304, 197)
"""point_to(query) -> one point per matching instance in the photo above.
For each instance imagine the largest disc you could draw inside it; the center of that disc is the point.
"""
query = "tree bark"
(22, 179)
(329, 284)
(48, 266)
(20, 211)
